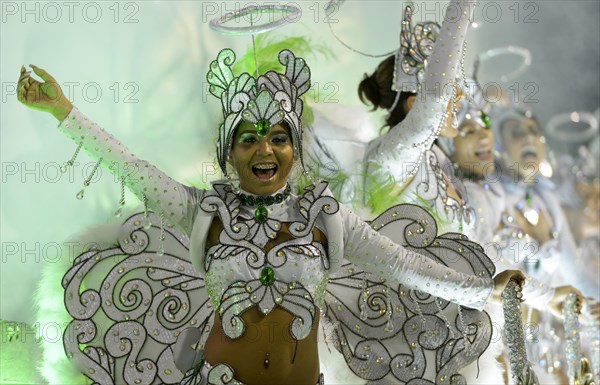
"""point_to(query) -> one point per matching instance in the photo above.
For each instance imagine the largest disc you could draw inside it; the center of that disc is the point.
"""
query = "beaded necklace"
(261, 214)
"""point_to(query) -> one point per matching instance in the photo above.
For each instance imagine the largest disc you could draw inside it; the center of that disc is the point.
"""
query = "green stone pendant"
(263, 127)
(261, 214)
(267, 276)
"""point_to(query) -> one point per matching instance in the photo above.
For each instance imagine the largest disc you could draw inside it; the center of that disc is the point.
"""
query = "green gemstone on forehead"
(486, 120)
(267, 276)
(263, 127)
(261, 214)
(528, 198)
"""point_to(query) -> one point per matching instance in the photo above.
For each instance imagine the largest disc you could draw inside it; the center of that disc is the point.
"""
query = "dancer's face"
(262, 163)
(523, 144)
(474, 148)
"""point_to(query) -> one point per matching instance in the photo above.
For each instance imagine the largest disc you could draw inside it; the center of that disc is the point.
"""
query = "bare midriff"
(266, 337)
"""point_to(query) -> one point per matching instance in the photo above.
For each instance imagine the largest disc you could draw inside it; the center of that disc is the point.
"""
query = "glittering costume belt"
(203, 373)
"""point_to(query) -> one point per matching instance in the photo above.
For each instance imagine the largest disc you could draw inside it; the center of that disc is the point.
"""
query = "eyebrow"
(247, 131)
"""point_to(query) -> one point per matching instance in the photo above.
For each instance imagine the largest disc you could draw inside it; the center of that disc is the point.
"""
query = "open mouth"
(529, 153)
(264, 171)
(484, 155)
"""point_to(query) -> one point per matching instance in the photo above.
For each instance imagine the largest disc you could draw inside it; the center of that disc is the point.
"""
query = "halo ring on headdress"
(331, 8)
(289, 13)
(557, 129)
(508, 50)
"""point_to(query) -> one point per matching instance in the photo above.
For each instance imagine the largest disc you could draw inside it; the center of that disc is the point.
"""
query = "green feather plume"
(383, 193)
(268, 47)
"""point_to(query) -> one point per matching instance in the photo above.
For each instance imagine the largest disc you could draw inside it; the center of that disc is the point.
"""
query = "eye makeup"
(247, 137)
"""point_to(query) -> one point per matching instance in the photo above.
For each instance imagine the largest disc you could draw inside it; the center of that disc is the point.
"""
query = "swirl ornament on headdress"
(500, 113)
(416, 45)
(474, 106)
(503, 111)
(265, 101)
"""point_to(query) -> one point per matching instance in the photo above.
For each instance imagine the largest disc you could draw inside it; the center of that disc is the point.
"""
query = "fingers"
(579, 299)
(23, 85)
(42, 74)
(516, 275)
(24, 76)
(28, 88)
(520, 277)
(592, 307)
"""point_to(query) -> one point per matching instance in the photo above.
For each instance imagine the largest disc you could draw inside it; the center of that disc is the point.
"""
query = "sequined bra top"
(241, 271)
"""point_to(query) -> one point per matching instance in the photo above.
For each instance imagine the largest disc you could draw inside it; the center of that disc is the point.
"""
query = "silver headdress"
(490, 113)
(505, 110)
(264, 101)
(474, 107)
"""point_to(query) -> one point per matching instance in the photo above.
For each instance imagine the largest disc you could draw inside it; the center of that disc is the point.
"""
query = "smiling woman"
(262, 163)
(524, 145)
(474, 148)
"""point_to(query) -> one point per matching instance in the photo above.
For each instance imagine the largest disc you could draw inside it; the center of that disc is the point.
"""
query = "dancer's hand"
(46, 96)
(501, 280)
(591, 308)
(560, 294)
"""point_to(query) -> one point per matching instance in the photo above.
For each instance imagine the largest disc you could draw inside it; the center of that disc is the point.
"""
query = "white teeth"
(265, 166)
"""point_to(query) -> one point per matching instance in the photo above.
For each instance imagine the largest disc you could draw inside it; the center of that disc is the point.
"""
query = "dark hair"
(377, 90)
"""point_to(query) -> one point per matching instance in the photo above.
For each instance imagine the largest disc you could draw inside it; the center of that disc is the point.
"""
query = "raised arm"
(398, 152)
(378, 254)
(176, 202)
